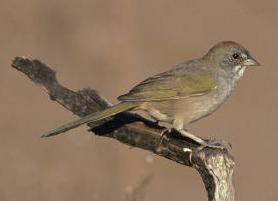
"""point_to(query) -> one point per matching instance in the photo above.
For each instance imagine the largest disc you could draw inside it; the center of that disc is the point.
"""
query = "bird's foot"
(205, 144)
(215, 144)
(163, 134)
(210, 143)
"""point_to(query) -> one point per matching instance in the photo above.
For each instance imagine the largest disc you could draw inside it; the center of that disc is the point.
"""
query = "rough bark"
(215, 165)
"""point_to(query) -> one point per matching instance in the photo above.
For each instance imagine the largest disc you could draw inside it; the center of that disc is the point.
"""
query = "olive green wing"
(174, 84)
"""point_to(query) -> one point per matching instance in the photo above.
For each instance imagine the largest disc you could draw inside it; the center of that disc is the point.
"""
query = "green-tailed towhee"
(184, 94)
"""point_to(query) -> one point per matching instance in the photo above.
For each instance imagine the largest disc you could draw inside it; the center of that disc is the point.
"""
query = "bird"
(184, 94)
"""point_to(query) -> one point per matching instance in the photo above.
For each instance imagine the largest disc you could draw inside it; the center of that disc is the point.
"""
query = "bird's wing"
(183, 81)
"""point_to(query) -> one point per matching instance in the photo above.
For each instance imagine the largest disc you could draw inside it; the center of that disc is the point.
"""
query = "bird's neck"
(227, 81)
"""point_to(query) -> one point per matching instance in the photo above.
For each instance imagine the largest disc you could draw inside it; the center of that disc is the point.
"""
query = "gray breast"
(203, 106)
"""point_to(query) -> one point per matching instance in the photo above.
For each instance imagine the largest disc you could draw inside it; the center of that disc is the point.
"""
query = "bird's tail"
(94, 117)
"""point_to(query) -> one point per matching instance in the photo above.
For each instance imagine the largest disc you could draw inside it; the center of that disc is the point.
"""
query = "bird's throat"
(239, 71)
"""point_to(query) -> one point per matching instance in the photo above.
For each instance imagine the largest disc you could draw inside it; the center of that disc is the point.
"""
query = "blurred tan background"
(111, 45)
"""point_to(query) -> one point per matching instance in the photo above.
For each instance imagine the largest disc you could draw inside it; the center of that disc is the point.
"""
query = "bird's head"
(231, 57)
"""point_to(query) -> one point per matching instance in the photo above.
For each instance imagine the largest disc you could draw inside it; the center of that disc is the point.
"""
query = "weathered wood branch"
(215, 165)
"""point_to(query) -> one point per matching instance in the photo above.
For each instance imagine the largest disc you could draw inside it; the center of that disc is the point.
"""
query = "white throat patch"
(239, 71)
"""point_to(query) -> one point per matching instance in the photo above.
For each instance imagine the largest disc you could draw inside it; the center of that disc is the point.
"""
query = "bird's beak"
(250, 61)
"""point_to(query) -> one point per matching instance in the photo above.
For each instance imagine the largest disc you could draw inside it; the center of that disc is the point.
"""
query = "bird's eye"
(235, 55)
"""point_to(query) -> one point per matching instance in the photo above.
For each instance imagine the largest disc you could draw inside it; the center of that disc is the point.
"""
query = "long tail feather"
(94, 117)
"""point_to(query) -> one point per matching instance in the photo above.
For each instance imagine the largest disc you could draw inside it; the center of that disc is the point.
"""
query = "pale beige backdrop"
(111, 45)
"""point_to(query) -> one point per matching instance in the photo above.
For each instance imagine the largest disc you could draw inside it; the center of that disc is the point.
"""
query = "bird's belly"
(200, 107)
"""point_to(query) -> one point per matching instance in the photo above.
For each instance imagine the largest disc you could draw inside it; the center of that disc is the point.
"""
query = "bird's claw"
(164, 133)
(212, 146)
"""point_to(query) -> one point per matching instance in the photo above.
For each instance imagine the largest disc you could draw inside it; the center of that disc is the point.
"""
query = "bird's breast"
(197, 107)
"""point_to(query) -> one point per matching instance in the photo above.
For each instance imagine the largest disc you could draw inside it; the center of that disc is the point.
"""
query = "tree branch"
(214, 165)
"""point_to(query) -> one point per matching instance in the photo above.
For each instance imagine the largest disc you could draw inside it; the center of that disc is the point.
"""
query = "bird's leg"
(191, 136)
(178, 125)
(199, 140)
